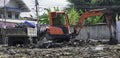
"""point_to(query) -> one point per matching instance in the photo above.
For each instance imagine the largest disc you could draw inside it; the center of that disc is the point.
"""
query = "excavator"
(59, 29)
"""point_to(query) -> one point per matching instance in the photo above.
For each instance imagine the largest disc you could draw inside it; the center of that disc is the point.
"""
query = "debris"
(97, 51)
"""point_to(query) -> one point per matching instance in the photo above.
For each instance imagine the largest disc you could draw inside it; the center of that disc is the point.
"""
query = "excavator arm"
(96, 12)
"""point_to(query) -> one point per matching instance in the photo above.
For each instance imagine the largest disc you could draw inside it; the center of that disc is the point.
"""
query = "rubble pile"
(99, 51)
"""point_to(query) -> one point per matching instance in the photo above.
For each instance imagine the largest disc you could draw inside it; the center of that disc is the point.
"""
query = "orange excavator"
(59, 29)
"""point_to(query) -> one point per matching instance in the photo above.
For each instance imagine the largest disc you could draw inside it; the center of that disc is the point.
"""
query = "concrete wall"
(94, 32)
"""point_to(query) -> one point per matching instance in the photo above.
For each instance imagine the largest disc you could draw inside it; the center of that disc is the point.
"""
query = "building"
(10, 12)
(13, 8)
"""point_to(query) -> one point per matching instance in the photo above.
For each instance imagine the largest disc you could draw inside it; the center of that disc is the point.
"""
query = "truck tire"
(13, 41)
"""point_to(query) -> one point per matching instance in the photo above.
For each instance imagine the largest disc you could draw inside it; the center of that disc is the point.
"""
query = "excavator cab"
(59, 26)
(59, 20)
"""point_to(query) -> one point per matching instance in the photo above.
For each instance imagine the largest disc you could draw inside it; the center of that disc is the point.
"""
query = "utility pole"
(36, 6)
(4, 14)
(5, 37)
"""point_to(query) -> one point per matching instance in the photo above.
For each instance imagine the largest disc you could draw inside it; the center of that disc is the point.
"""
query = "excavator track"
(72, 43)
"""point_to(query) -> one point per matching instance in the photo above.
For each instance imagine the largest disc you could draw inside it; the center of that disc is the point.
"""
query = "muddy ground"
(86, 51)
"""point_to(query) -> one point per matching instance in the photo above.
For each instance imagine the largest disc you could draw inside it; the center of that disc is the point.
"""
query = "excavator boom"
(96, 12)
(89, 14)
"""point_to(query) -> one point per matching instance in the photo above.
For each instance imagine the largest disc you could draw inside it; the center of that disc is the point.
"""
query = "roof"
(17, 21)
(20, 3)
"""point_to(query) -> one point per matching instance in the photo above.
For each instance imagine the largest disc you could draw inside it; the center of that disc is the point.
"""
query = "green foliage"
(73, 15)
(81, 11)
(94, 20)
(113, 5)
(44, 19)
(95, 2)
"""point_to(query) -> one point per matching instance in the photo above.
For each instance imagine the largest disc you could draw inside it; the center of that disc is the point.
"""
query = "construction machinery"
(59, 29)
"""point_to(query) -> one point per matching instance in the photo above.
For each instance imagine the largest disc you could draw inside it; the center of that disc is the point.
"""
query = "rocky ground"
(86, 51)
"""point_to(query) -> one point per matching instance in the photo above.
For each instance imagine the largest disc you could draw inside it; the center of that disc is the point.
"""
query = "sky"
(44, 4)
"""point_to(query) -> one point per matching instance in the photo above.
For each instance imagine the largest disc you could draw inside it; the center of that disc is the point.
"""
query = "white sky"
(44, 4)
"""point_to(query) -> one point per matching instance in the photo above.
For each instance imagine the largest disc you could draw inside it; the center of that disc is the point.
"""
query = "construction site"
(60, 38)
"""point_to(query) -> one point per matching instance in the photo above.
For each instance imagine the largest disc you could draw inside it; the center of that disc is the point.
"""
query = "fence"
(100, 31)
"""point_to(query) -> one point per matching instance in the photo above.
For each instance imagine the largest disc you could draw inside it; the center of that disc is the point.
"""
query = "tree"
(44, 19)
(73, 15)
(112, 5)
(92, 4)
(94, 20)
